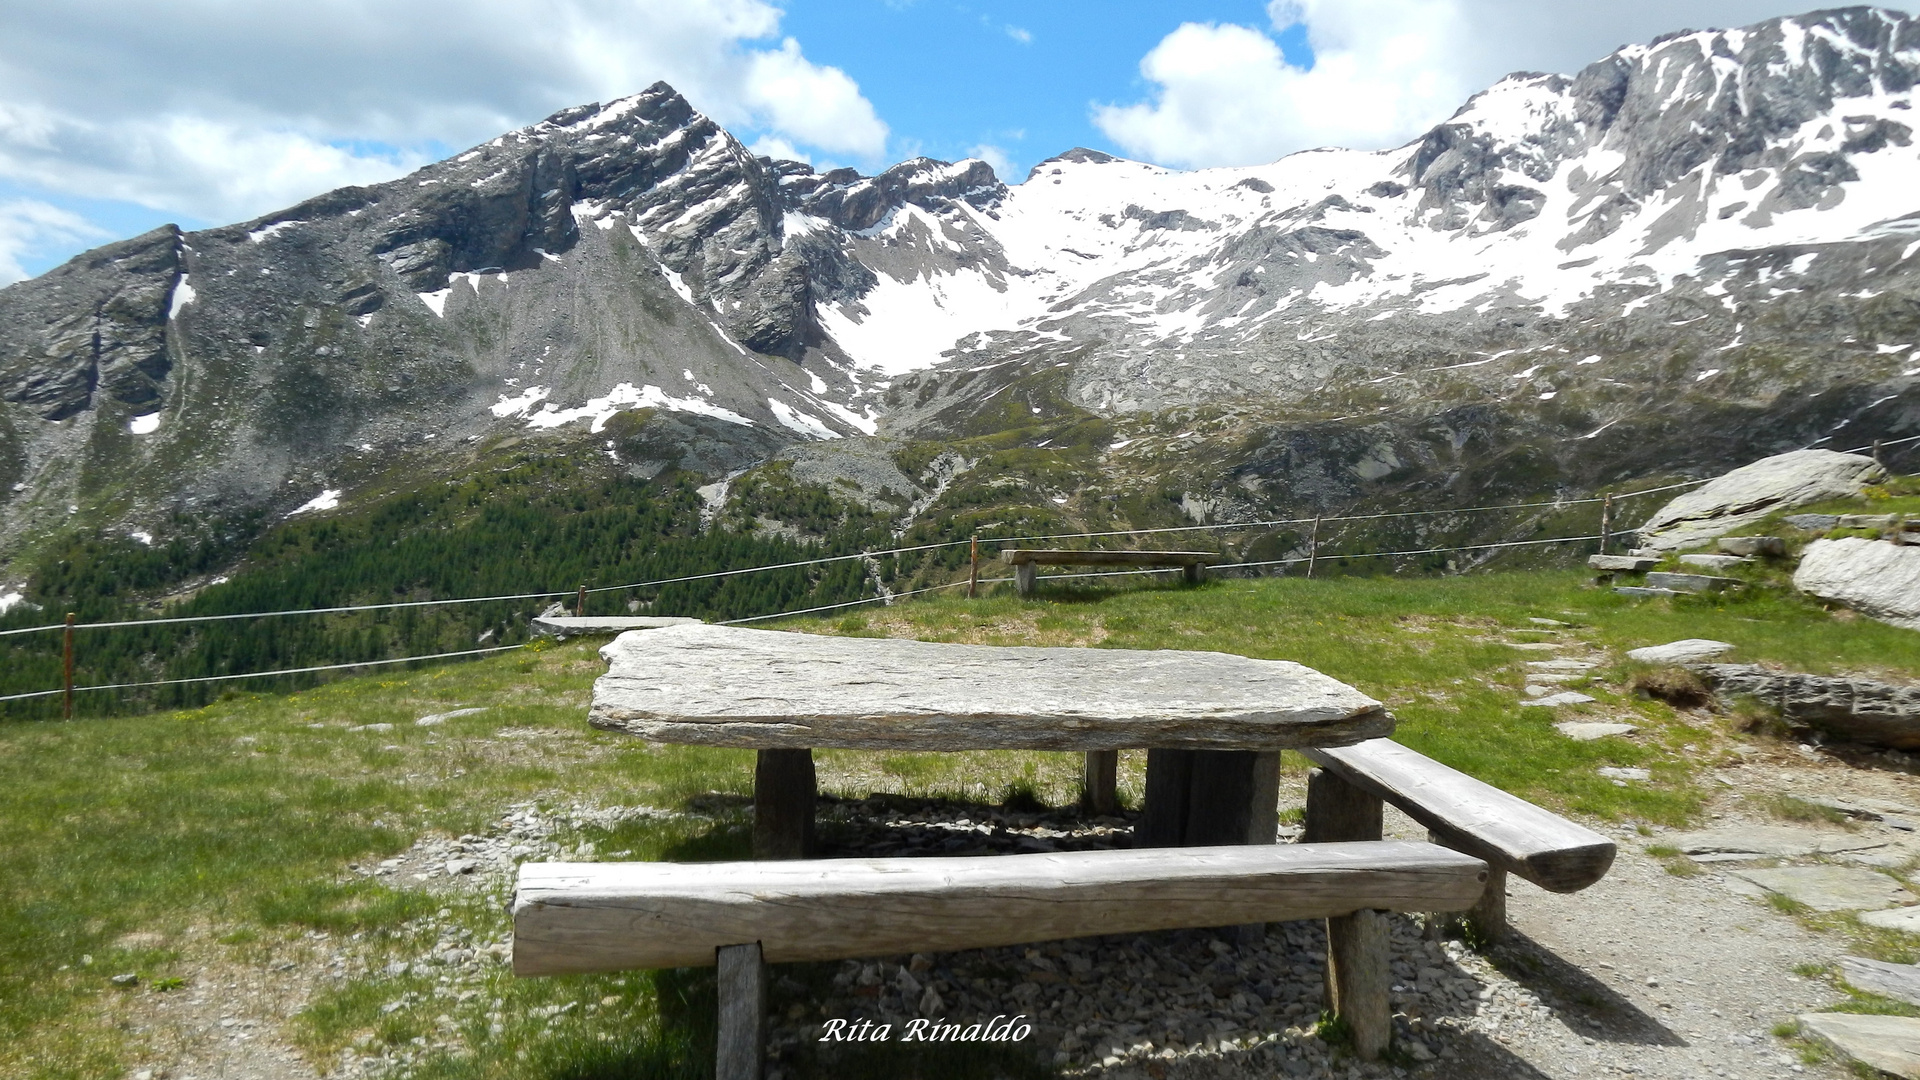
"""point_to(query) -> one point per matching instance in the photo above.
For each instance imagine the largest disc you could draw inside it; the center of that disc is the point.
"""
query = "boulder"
(1858, 710)
(1683, 651)
(1751, 492)
(1872, 577)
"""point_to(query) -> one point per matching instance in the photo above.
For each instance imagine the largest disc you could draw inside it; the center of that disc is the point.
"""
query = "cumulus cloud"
(223, 109)
(28, 225)
(1383, 71)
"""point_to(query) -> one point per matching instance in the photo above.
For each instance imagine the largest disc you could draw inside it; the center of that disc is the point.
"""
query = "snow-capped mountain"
(1726, 218)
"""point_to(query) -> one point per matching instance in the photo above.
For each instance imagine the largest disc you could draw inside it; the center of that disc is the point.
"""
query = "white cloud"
(1020, 34)
(226, 110)
(27, 225)
(1383, 71)
(779, 149)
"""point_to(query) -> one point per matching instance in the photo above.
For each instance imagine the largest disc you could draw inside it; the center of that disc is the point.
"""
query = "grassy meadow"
(200, 848)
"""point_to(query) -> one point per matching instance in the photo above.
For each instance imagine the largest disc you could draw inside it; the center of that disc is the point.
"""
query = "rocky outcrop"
(1873, 577)
(1751, 492)
(1856, 710)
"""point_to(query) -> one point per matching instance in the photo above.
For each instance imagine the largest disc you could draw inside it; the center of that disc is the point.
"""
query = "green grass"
(182, 845)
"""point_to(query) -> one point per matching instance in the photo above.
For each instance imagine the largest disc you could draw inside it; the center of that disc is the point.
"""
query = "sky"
(117, 116)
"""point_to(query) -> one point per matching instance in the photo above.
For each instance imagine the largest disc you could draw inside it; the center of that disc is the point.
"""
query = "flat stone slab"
(1561, 665)
(1552, 678)
(763, 689)
(1900, 982)
(1713, 562)
(1905, 919)
(1692, 583)
(1813, 522)
(1643, 591)
(1831, 888)
(441, 718)
(1534, 646)
(1888, 1043)
(1753, 545)
(578, 625)
(1580, 731)
(1623, 773)
(1565, 697)
(1683, 651)
(1771, 841)
(1626, 564)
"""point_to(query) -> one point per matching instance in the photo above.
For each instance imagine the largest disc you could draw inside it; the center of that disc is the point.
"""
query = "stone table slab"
(767, 690)
(1830, 888)
(1888, 1043)
(572, 625)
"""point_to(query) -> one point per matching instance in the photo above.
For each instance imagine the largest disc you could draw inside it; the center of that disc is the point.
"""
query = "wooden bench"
(1345, 794)
(573, 918)
(1023, 561)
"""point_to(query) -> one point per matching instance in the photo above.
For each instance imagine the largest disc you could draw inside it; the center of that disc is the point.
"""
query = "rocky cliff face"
(1689, 254)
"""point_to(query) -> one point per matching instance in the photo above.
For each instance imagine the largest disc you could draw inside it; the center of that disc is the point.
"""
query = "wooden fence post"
(1606, 520)
(67, 711)
(1877, 460)
(580, 601)
(1313, 545)
(973, 575)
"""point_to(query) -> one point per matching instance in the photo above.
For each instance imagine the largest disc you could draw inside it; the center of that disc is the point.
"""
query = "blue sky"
(120, 115)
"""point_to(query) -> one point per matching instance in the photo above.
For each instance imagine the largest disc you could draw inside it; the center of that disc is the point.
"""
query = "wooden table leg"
(1163, 820)
(1099, 784)
(1337, 811)
(783, 793)
(1358, 976)
(742, 1045)
(1203, 797)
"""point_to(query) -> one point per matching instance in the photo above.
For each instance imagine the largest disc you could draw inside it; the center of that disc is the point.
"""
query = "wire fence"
(884, 598)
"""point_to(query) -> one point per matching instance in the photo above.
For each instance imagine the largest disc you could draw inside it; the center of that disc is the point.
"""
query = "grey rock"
(1770, 841)
(1643, 592)
(456, 867)
(1581, 731)
(1553, 678)
(1753, 545)
(1533, 646)
(1890, 1044)
(1898, 981)
(1904, 919)
(1830, 888)
(436, 719)
(1813, 522)
(1751, 492)
(1691, 583)
(1561, 665)
(126, 980)
(1714, 562)
(1873, 577)
(1565, 697)
(1684, 651)
(1624, 773)
(1855, 709)
(1630, 564)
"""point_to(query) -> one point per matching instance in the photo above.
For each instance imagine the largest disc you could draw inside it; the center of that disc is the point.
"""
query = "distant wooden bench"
(1023, 561)
(1344, 798)
(571, 918)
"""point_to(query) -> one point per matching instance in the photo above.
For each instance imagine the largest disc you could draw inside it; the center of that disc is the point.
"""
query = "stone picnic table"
(1213, 723)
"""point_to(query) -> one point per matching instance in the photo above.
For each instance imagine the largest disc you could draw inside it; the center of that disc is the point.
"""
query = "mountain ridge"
(1717, 225)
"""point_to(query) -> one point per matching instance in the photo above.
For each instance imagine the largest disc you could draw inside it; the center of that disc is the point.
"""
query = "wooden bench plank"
(1510, 833)
(601, 917)
(761, 689)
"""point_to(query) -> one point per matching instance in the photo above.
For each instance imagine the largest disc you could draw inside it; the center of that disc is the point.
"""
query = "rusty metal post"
(1606, 521)
(973, 575)
(1313, 545)
(66, 713)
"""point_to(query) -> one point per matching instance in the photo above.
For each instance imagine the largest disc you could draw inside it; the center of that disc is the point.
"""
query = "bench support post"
(783, 794)
(1486, 920)
(1338, 811)
(1099, 783)
(1196, 573)
(1358, 974)
(1023, 575)
(742, 1047)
